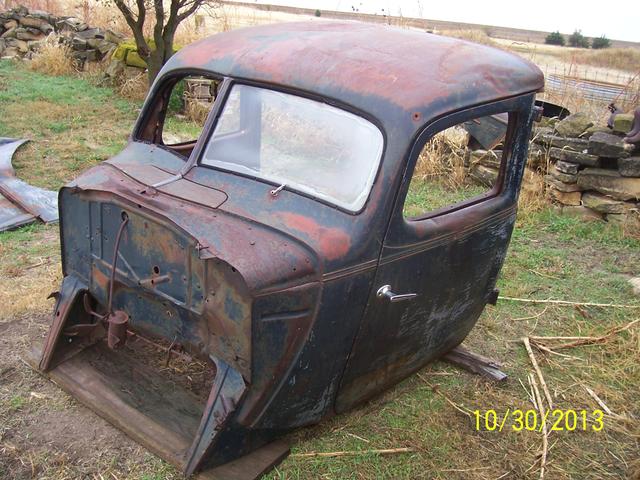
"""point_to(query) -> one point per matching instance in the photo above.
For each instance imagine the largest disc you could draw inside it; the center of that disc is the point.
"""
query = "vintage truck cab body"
(293, 279)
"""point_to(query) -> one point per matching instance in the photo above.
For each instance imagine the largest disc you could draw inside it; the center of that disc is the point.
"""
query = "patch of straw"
(133, 87)
(532, 194)
(443, 158)
(197, 111)
(52, 58)
(471, 35)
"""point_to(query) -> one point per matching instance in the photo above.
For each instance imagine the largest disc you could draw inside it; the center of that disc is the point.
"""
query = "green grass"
(17, 245)
(16, 403)
(425, 196)
(177, 129)
(72, 124)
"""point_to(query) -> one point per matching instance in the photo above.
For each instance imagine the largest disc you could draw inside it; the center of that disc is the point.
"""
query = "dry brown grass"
(106, 15)
(575, 101)
(532, 195)
(196, 111)
(631, 228)
(574, 98)
(476, 36)
(29, 270)
(55, 7)
(616, 58)
(53, 58)
(443, 158)
(132, 87)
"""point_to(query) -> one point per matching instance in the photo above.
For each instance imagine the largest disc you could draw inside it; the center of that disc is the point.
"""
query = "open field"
(618, 65)
(507, 33)
(45, 434)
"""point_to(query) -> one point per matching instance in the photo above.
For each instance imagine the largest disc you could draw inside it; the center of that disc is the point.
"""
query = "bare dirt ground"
(45, 434)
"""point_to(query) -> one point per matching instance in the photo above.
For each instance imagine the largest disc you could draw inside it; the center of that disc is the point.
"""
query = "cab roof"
(394, 74)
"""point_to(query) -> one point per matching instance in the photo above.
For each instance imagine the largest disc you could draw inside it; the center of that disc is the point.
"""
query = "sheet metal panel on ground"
(21, 203)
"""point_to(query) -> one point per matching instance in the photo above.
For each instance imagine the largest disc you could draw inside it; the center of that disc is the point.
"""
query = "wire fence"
(593, 84)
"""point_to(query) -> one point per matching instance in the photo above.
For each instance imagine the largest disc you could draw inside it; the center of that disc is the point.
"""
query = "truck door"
(444, 247)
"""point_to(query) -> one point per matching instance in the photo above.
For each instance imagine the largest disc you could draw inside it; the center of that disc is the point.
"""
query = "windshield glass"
(306, 145)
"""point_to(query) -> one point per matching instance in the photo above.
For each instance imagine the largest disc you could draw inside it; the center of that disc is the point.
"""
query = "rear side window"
(190, 102)
(458, 166)
(178, 113)
(300, 144)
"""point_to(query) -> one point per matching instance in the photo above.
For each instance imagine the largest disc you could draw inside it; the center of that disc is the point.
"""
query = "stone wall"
(589, 170)
(22, 32)
(592, 172)
(484, 165)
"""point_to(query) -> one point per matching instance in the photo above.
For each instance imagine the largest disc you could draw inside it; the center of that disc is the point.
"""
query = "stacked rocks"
(484, 165)
(22, 31)
(594, 173)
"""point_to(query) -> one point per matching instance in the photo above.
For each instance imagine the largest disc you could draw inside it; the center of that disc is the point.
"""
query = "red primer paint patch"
(333, 243)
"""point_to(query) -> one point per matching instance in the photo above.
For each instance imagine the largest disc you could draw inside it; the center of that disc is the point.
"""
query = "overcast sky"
(617, 20)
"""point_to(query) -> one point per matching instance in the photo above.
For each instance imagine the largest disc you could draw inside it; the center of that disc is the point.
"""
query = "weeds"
(532, 195)
(197, 111)
(476, 36)
(132, 87)
(52, 58)
(443, 158)
(616, 58)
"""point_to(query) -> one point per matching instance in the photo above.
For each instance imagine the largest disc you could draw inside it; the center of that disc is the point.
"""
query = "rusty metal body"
(280, 291)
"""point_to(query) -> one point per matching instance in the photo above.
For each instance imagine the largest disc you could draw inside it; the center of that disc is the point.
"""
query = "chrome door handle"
(385, 292)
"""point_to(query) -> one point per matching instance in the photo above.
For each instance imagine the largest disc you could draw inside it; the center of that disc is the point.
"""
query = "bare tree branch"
(190, 11)
(136, 24)
(164, 28)
(158, 27)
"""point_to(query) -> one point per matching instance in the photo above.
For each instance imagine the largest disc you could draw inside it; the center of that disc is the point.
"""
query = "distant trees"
(555, 38)
(318, 12)
(600, 42)
(576, 39)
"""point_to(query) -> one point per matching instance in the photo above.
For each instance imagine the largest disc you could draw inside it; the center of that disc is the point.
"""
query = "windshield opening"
(304, 144)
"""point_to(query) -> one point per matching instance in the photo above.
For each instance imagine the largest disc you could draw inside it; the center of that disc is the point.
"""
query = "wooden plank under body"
(132, 397)
(252, 466)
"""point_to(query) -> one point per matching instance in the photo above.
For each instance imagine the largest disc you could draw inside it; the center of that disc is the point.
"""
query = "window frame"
(157, 103)
(403, 231)
(490, 193)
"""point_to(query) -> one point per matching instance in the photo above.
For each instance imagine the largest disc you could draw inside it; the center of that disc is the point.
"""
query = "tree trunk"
(163, 33)
(154, 64)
